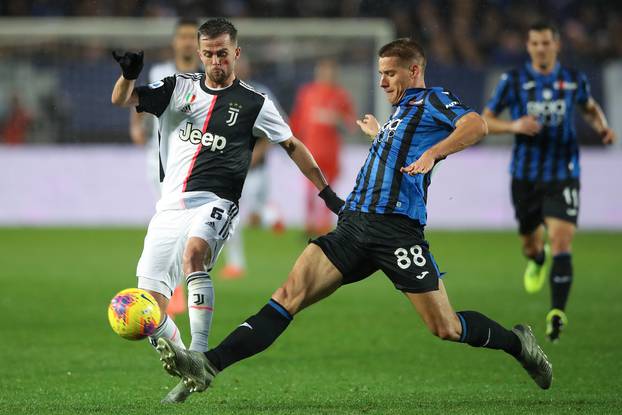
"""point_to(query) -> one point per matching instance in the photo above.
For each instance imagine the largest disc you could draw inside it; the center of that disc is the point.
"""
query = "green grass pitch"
(362, 351)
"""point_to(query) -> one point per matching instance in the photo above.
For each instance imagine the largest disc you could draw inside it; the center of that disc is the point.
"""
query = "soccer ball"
(134, 314)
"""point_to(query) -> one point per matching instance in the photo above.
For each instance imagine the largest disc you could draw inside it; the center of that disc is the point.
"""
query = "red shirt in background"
(319, 110)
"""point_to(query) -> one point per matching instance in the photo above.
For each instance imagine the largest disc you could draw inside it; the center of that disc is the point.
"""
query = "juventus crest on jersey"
(207, 135)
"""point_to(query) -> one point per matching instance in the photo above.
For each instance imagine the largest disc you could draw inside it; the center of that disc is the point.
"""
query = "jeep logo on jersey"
(195, 136)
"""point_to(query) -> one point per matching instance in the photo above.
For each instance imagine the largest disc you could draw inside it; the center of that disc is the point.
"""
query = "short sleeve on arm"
(155, 97)
(447, 108)
(270, 124)
(500, 98)
(583, 90)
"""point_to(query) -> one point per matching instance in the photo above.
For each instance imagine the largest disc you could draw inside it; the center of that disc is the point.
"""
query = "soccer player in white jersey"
(144, 128)
(208, 125)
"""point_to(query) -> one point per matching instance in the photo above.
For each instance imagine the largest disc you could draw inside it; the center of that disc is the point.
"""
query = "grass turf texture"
(363, 350)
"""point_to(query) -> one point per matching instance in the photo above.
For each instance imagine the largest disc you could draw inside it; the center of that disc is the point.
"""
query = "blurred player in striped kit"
(542, 96)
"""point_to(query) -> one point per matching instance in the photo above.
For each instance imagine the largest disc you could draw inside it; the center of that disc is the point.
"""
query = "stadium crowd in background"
(468, 32)
(468, 42)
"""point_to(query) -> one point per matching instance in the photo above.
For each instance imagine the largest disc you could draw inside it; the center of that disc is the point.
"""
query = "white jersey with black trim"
(207, 136)
(156, 72)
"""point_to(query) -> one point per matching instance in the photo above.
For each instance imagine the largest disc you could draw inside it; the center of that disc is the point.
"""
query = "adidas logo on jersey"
(186, 108)
(213, 142)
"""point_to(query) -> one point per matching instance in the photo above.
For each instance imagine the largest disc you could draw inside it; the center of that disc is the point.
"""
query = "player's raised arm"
(123, 92)
(594, 115)
(470, 129)
(303, 158)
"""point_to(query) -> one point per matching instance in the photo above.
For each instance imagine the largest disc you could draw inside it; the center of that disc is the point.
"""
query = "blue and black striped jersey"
(422, 118)
(553, 153)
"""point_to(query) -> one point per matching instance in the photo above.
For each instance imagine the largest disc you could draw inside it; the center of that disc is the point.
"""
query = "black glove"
(333, 202)
(131, 63)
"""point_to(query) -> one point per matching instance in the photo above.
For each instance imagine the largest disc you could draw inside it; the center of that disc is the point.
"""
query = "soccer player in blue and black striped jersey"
(380, 228)
(542, 96)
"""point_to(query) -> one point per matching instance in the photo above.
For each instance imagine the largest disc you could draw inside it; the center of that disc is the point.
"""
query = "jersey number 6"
(217, 213)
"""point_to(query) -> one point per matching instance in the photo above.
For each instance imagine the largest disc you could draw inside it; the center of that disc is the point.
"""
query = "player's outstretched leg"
(312, 278)
(533, 358)
(193, 367)
(480, 331)
(477, 330)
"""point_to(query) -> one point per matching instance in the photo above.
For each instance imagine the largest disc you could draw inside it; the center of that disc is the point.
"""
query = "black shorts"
(364, 243)
(534, 201)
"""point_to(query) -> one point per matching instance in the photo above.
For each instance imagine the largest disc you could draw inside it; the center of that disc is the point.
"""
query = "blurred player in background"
(254, 202)
(144, 128)
(208, 125)
(17, 123)
(381, 227)
(321, 109)
(542, 96)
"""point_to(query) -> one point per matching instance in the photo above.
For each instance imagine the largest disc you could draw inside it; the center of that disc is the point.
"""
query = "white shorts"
(160, 267)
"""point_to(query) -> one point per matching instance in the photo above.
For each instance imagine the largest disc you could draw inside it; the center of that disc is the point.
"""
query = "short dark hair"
(405, 49)
(542, 25)
(216, 27)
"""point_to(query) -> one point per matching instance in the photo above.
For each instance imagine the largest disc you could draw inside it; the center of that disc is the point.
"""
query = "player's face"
(219, 56)
(396, 77)
(185, 41)
(542, 47)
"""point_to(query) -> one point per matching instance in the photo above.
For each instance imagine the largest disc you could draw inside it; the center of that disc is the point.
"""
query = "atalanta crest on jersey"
(233, 111)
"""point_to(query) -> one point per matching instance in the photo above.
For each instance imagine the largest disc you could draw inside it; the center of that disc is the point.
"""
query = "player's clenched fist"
(131, 63)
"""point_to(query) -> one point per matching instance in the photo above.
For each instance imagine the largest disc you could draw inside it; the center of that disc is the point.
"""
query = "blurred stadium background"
(67, 165)
(56, 74)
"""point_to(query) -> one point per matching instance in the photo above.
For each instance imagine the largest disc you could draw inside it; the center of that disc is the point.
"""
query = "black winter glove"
(333, 202)
(131, 63)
